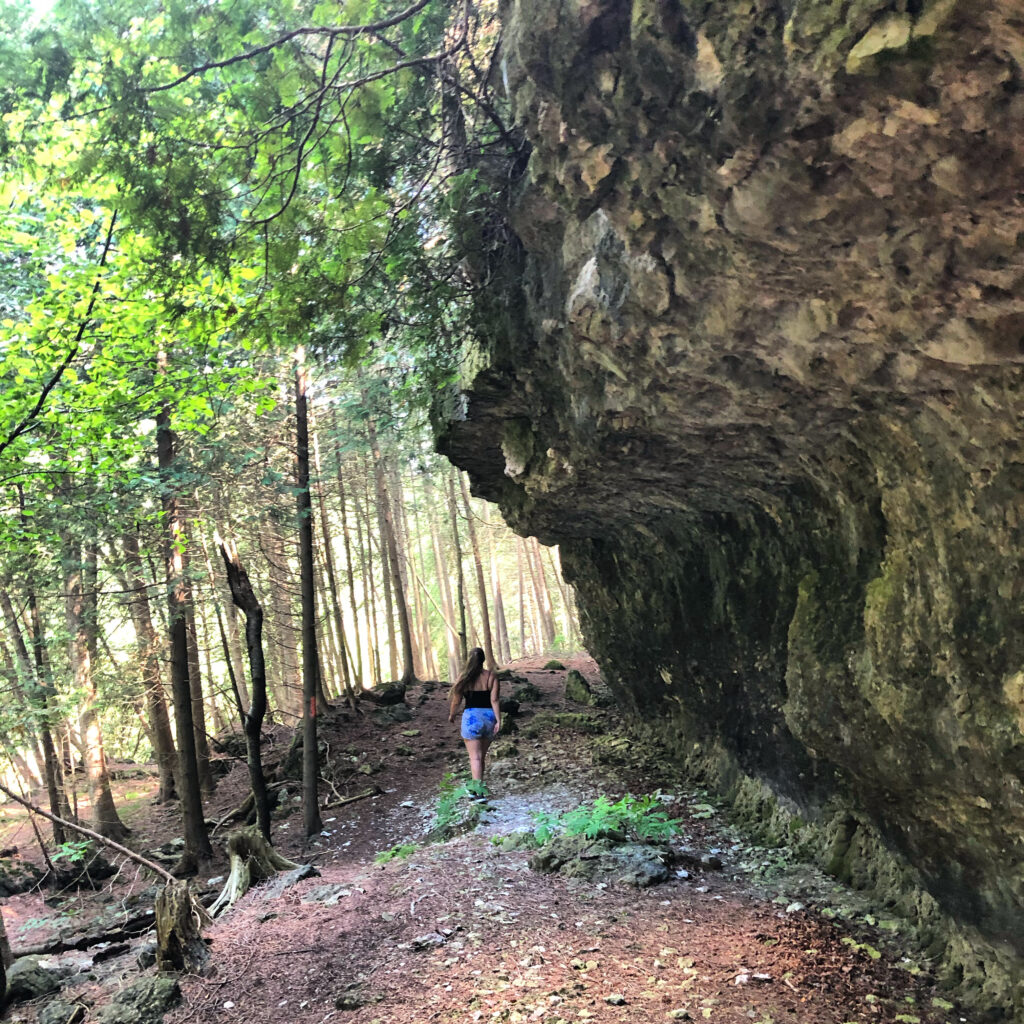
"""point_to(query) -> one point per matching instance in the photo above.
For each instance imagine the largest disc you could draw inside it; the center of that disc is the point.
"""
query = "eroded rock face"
(763, 384)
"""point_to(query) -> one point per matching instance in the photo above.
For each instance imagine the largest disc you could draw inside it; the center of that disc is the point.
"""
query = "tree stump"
(179, 923)
(252, 859)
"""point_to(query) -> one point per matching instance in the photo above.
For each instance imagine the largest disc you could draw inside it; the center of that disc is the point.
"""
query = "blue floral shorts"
(478, 723)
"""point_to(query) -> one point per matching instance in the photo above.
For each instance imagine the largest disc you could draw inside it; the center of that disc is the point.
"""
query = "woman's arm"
(496, 702)
(452, 705)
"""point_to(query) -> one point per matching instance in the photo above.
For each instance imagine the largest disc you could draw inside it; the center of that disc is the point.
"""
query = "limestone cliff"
(761, 377)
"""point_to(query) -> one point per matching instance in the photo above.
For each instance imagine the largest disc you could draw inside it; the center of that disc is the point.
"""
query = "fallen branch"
(352, 799)
(82, 830)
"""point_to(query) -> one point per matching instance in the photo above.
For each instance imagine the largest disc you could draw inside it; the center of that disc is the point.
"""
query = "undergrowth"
(395, 853)
(450, 811)
(640, 819)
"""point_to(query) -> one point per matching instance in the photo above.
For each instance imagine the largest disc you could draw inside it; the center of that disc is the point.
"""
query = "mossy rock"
(385, 694)
(555, 666)
(504, 749)
(547, 722)
(27, 978)
(60, 1011)
(636, 864)
(578, 690)
(527, 693)
(518, 841)
(143, 1002)
(506, 675)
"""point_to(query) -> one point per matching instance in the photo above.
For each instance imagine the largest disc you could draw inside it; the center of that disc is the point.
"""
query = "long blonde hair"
(470, 674)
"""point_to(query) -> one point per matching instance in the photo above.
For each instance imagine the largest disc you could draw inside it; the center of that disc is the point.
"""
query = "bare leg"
(476, 750)
(484, 744)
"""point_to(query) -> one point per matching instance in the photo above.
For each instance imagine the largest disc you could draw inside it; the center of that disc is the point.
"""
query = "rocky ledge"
(758, 370)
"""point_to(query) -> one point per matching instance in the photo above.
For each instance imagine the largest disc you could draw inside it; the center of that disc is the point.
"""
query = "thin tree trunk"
(555, 560)
(522, 597)
(500, 626)
(543, 596)
(460, 575)
(229, 646)
(408, 671)
(370, 587)
(80, 609)
(485, 615)
(148, 646)
(357, 651)
(444, 584)
(197, 841)
(332, 584)
(310, 677)
(386, 574)
(537, 623)
(430, 663)
(51, 746)
(252, 720)
(195, 679)
(36, 692)
(284, 621)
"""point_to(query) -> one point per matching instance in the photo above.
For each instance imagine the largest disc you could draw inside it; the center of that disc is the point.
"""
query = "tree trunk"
(444, 584)
(281, 589)
(228, 632)
(485, 616)
(522, 597)
(55, 780)
(35, 693)
(430, 658)
(195, 679)
(408, 672)
(500, 626)
(369, 589)
(252, 720)
(460, 575)
(356, 649)
(555, 560)
(310, 755)
(543, 596)
(386, 574)
(197, 842)
(332, 584)
(80, 608)
(537, 623)
(149, 660)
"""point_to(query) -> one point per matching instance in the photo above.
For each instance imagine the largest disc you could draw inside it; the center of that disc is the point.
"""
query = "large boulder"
(753, 355)
(143, 1002)
(28, 978)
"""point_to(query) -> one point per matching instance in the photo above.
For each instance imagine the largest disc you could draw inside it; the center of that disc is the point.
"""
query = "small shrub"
(641, 819)
(454, 790)
(555, 666)
(395, 853)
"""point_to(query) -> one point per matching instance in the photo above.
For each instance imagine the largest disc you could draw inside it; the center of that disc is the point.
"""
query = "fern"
(641, 818)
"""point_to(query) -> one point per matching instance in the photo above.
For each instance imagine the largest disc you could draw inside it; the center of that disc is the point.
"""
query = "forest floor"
(463, 930)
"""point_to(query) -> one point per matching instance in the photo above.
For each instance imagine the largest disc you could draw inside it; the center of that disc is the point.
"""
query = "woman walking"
(481, 721)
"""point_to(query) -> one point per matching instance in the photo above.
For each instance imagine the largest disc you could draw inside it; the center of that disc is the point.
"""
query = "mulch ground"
(465, 931)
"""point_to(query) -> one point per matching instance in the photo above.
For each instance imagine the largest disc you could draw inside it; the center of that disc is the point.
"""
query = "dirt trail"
(464, 931)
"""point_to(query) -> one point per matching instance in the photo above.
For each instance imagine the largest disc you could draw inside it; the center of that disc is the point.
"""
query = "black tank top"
(478, 698)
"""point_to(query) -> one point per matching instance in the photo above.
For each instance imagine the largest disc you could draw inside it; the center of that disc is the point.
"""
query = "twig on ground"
(352, 799)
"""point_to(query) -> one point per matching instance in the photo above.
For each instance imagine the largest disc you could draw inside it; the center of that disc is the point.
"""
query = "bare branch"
(329, 33)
